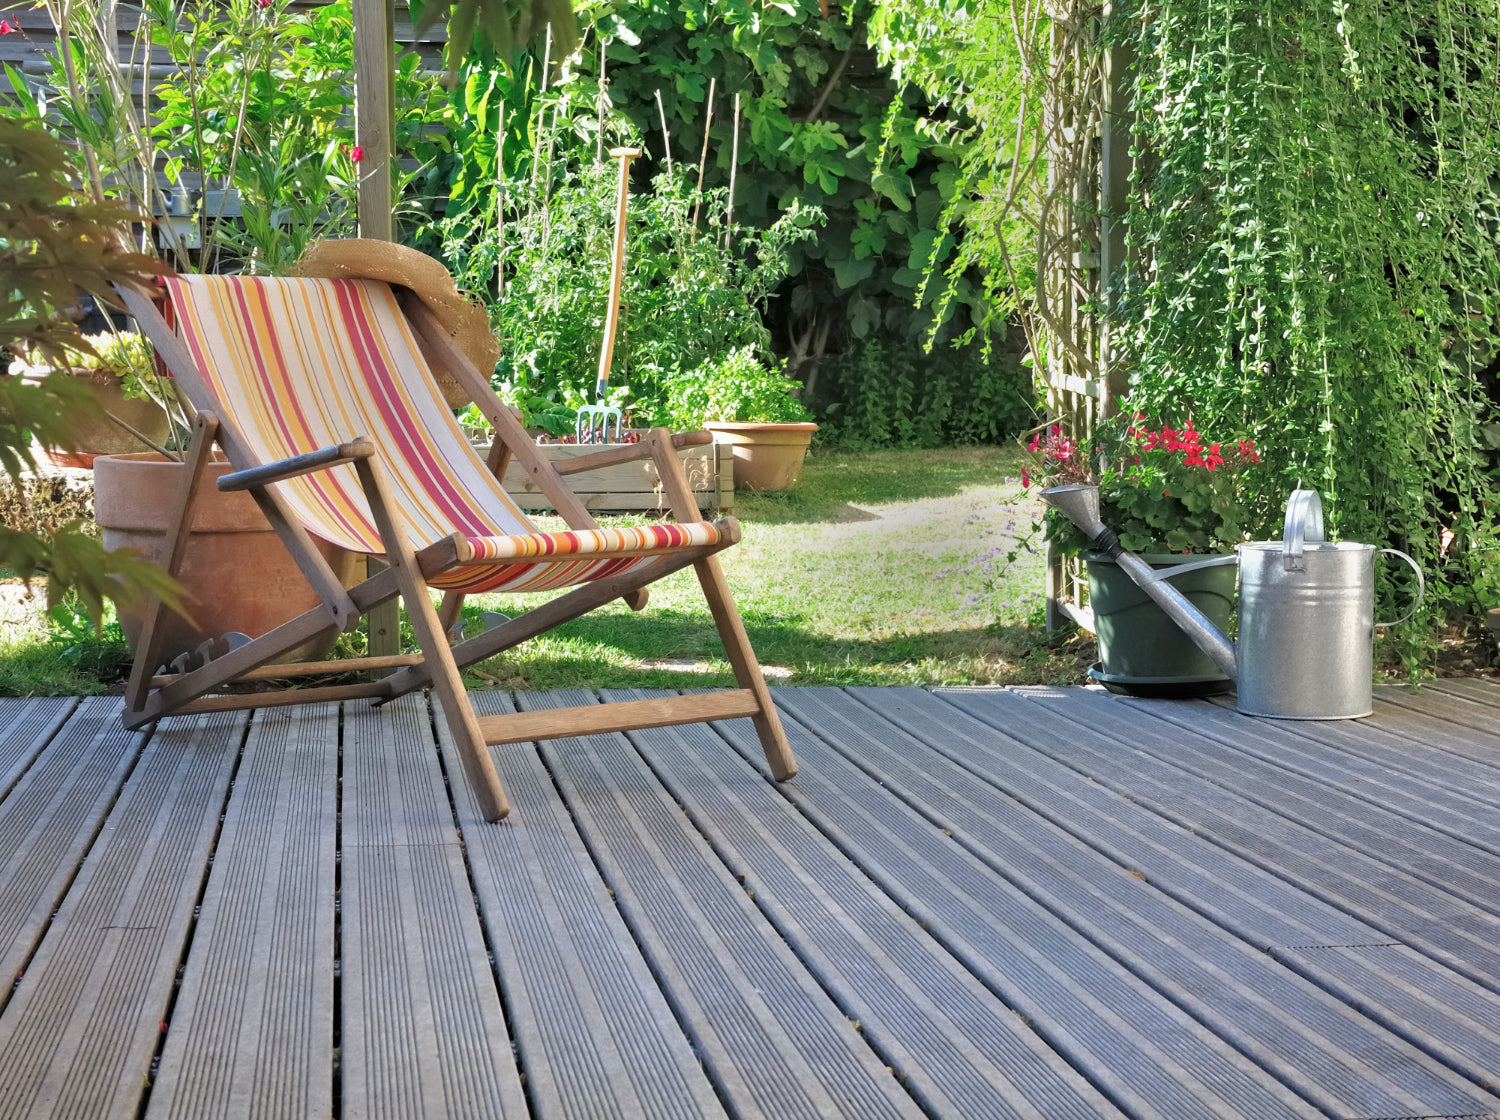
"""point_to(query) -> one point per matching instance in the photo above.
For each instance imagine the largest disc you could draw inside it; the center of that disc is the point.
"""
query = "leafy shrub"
(882, 395)
(738, 387)
(693, 290)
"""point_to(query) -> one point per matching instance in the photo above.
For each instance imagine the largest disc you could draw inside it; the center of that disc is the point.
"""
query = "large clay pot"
(236, 570)
(767, 457)
(99, 435)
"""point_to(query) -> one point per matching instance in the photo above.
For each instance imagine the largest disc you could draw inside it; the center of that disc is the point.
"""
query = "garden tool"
(595, 420)
(1307, 610)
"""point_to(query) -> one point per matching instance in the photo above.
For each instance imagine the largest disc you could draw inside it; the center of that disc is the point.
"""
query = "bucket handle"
(1304, 522)
(1421, 587)
(1160, 574)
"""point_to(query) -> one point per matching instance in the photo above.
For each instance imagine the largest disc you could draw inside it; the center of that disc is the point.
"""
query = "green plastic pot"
(1141, 650)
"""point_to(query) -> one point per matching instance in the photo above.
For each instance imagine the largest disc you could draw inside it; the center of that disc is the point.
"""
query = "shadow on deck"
(970, 903)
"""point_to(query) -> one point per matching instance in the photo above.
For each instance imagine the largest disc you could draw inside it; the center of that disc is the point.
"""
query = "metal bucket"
(1307, 620)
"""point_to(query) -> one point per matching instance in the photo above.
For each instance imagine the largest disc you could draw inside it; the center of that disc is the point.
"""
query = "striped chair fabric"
(300, 364)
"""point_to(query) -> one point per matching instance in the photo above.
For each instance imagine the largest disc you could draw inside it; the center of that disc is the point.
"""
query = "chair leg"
(458, 712)
(173, 545)
(726, 615)
(452, 608)
(746, 667)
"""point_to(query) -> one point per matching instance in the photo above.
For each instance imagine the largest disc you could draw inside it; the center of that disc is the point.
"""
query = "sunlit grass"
(871, 571)
(865, 573)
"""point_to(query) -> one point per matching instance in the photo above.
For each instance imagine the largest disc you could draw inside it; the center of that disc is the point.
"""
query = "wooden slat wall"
(28, 50)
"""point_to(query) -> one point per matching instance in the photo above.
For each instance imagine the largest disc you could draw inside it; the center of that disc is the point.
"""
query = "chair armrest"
(626, 452)
(283, 469)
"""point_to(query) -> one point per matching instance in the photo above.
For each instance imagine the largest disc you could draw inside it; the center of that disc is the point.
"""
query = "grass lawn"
(863, 574)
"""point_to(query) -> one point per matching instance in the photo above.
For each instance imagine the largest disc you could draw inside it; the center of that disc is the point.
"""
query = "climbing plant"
(1313, 222)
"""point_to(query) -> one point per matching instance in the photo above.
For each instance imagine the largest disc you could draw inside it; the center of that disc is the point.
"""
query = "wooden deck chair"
(320, 397)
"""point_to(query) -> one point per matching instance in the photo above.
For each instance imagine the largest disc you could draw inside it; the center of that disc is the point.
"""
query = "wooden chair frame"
(149, 697)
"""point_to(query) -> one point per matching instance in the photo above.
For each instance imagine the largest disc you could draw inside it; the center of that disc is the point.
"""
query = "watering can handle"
(1304, 522)
(1421, 587)
(1176, 570)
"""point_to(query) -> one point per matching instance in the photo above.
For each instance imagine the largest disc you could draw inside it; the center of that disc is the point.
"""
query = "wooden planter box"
(629, 487)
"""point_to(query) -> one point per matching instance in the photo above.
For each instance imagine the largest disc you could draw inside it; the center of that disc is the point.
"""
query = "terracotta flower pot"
(237, 573)
(767, 457)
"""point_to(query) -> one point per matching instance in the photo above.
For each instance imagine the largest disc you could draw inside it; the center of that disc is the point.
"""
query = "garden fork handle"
(617, 279)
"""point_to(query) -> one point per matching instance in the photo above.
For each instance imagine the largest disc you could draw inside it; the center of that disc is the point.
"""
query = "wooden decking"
(971, 903)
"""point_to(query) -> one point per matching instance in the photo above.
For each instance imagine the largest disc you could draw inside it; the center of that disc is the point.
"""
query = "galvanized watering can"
(1307, 610)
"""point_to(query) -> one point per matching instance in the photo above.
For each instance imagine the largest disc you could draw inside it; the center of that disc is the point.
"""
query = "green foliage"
(51, 243)
(263, 101)
(692, 293)
(498, 25)
(738, 387)
(820, 124)
(1313, 222)
(880, 394)
(983, 61)
(260, 103)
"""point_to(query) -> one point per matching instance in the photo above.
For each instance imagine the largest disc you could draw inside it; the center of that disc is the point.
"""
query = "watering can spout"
(1080, 505)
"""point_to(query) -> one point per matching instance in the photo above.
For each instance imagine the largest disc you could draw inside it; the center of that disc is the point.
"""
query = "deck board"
(251, 1031)
(80, 1032)
(1354, 880)
(1278, 1021)
(779, 1045)
(422, 1030)
(1275, 769)
(596, 1035)
(29, 726)
(961, 1051)
(51, 815)
(970, 903)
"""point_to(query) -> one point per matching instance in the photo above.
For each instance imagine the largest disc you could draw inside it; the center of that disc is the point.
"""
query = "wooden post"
(374, 131)
(374, 113)
(1114, 197)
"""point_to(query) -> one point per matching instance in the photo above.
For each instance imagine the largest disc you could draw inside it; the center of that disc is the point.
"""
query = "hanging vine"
(1313, 223)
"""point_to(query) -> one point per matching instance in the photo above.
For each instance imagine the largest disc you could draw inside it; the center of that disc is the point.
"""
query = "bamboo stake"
(603, 84)
(703, 159)
(500, 207)
(666, 133)
(734, 165)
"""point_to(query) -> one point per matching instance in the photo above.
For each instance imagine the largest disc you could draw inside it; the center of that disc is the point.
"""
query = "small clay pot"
(767, 457)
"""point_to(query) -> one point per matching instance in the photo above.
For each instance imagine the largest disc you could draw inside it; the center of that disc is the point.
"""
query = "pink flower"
(1025, 479)
(8, 28)
(263, 3)
(357, 154)
(1036, 441)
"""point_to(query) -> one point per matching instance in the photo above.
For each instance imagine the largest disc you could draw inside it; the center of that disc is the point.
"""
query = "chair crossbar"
(619, 715)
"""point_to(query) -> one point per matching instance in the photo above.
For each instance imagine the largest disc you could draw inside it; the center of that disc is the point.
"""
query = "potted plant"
(752, 408)
(1174, 497)
(134, 410)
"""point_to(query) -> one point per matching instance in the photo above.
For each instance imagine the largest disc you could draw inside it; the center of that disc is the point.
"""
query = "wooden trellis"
(1080, 246)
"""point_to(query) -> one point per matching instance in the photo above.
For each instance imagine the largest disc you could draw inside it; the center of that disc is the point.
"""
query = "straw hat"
(465, 321)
